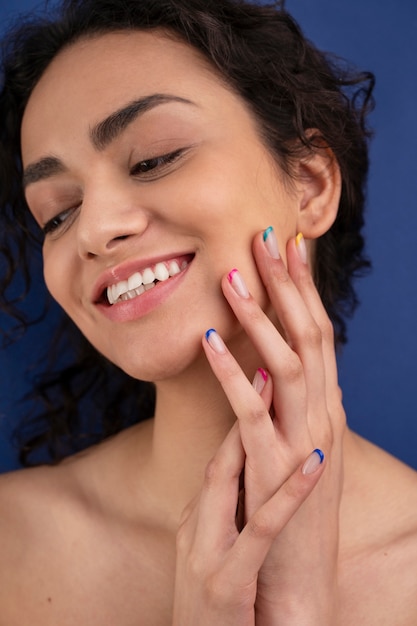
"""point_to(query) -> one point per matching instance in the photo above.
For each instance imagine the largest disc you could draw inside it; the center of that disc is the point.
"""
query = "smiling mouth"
(142, 281)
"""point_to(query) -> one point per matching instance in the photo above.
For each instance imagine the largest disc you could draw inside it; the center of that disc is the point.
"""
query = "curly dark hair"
(291, 88)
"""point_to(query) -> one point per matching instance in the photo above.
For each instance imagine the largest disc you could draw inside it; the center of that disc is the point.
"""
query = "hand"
(297, 583)
(217, 566)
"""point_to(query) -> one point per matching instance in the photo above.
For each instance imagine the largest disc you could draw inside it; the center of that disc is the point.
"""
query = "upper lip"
(124, 270)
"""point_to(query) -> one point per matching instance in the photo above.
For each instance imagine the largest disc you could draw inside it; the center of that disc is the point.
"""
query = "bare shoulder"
(71, 554)
(33, 503)
(26, 497)
(379, 539)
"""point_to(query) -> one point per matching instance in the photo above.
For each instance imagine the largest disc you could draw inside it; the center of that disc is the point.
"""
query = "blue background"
(378, 367)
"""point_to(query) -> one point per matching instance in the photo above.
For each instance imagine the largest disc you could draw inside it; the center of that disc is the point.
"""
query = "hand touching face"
(150, 179)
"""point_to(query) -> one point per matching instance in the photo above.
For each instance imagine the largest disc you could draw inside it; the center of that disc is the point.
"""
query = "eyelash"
(148, 165)
(143, 169)
(56, 222)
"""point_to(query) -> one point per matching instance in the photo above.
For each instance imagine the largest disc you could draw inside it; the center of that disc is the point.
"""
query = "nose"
(109, 216)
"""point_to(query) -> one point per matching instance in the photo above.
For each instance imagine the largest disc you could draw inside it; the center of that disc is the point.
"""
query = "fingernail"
(215, 341)
(271, 243)
(313, 462)
(238, 284)
(259, 380)
(301, 247)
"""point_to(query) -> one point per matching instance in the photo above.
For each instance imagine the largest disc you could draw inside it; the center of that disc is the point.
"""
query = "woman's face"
(141, 164)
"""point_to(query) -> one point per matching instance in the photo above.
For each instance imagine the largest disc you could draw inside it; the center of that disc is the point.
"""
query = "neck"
(192, 418)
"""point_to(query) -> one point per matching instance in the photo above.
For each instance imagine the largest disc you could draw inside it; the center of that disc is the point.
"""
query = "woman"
(188, 162)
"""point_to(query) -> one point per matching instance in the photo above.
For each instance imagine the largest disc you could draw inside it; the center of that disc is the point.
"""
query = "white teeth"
(148, 276)
(140, 282)
(134, 281)
(161, 272)
(174, 268)
(120, 288)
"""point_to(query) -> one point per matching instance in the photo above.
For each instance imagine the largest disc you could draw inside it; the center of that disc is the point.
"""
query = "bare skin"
(119, 564)
(93, 540)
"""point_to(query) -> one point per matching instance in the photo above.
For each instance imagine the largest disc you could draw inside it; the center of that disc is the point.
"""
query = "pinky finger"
(256, 538)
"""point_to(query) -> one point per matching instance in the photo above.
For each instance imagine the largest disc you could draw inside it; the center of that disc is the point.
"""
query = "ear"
(319, 186)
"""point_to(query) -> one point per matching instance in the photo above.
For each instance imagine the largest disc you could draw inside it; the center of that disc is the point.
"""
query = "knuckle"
(196, 565)
(232, 371)
(327, 331)
(217, 592)
(292, 371)
(255, 315)
(213, 473)
(294, 490)
(260, 526)
(256, 414)
(312, 336)
(278, 274)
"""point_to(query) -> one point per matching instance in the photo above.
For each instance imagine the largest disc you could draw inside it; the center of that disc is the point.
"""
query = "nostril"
(115, 240)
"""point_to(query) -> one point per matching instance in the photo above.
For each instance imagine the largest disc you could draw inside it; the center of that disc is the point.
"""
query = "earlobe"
(319, 184)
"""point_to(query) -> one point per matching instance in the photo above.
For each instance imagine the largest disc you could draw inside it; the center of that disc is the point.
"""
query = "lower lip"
(129, 310)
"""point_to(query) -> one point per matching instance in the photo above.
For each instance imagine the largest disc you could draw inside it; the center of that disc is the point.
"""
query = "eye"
(59, 221)
(157, 166)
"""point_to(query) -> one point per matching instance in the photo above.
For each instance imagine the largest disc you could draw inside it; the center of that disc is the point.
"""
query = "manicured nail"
(238, 284)
(301, 247)
(313, 462)
(215, 341)
(259, 380)
(271, 243)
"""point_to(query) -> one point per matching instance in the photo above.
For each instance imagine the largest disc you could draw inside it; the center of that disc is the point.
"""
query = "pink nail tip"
(263, 373)
(231, 274)
(238, 284)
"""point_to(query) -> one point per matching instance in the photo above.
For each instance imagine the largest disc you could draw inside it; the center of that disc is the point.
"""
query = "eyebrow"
(101, 135)
(106, 131)
(44, 168)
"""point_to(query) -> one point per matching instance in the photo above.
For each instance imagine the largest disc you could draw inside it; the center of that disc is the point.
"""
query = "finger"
(302, 331)
(262, 384)
(303, 279)
(215, 519)
(285, 366)
(256, 428)
(301, 275)
(255, 540)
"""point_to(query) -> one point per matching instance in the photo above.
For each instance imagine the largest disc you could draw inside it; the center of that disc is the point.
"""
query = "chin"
(161, 362)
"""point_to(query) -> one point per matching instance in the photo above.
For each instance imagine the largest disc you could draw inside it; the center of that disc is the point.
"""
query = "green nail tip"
(267, 231)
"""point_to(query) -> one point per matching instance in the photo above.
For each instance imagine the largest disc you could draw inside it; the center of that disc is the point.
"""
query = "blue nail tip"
(267, 231)
(209, 332)
(320, 453)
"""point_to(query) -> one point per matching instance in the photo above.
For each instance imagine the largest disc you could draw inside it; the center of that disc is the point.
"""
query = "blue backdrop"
(378, 367)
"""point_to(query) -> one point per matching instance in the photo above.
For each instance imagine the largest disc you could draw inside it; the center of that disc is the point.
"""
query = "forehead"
(96, 76)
